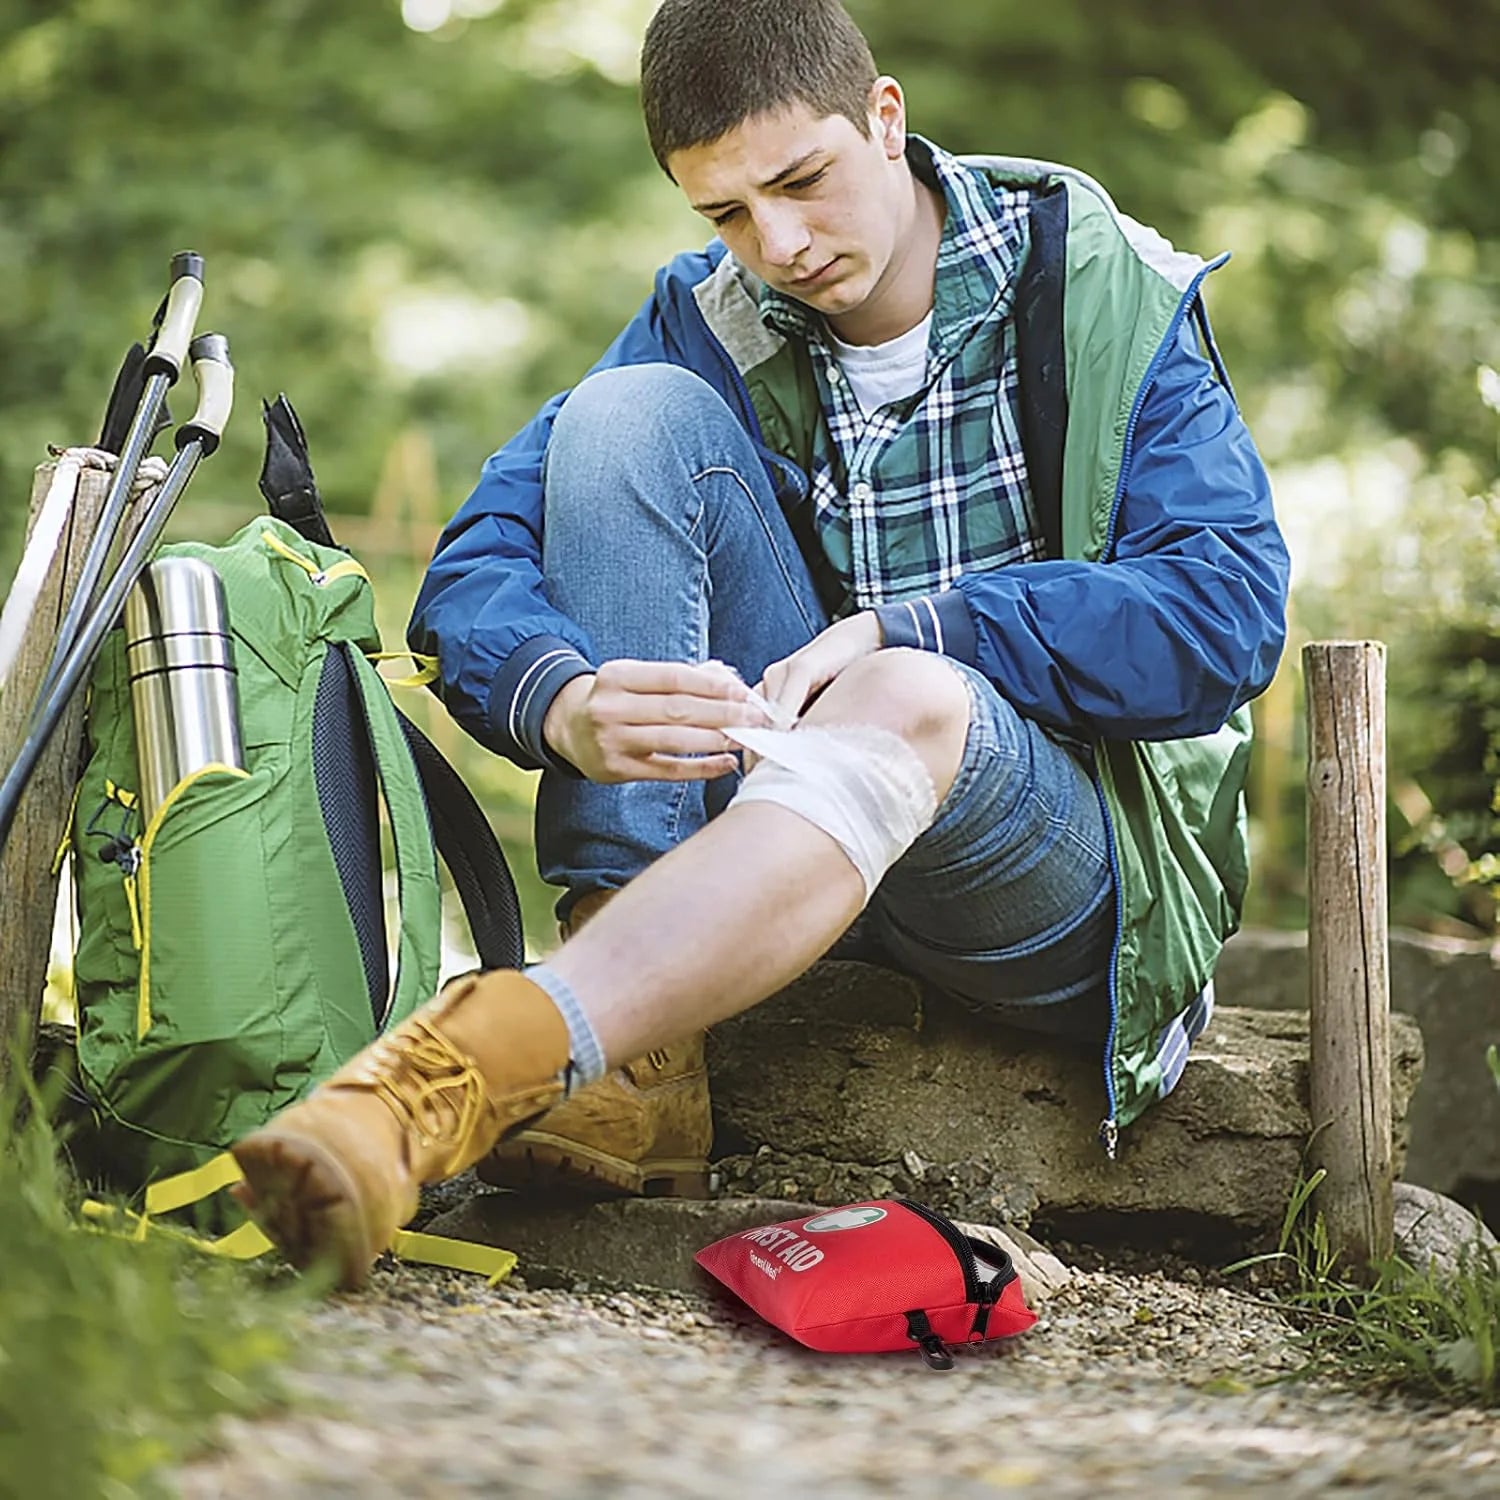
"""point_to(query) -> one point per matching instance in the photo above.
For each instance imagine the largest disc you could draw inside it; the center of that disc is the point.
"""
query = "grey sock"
(586, 1056)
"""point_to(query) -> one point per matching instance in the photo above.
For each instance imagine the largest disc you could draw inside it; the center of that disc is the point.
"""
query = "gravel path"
(432, 1384)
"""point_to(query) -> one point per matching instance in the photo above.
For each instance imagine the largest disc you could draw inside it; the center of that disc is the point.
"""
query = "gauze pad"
(865, 787)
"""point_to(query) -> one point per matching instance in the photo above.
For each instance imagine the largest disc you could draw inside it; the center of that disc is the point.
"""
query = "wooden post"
(1348, 973)
(28, 885)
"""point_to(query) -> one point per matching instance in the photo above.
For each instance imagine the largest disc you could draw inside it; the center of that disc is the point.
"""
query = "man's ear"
(888, 116)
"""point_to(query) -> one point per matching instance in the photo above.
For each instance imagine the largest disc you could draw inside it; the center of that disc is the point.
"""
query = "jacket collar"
(979, 255)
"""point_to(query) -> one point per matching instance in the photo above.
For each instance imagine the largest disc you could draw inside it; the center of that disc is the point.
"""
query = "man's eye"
(719, 220)
(810, 181)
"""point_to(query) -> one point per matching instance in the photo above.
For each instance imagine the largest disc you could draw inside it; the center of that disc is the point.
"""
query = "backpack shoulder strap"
(473, 855)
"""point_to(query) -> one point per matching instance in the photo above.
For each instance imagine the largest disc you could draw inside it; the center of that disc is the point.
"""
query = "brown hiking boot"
(333, 1178)
(645, 1128)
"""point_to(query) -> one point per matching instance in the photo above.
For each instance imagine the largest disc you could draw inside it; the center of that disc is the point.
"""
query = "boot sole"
(542, 1160)
(307, 1204)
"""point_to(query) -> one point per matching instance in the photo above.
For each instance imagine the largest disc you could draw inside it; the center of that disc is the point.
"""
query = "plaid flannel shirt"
(934, 485)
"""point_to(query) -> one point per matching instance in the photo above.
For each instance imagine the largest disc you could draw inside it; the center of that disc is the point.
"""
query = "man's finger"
(685, 710)
(790, 692)
(689, 768)
(673, 677)
(640, 742)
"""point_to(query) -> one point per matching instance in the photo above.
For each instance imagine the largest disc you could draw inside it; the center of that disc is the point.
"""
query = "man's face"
(810, 205)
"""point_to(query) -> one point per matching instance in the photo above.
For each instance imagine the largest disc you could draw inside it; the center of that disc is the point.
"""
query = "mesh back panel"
(344, 772)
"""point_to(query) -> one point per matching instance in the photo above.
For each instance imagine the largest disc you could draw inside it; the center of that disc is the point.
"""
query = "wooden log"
(28, 883)
(1348, 954)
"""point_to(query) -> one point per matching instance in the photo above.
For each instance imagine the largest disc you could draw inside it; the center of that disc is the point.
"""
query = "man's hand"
(795, 680)
(650, 721)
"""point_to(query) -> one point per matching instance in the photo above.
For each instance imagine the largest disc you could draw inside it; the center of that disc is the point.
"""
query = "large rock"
(651, 1241)
(1452, 990)
(624, 1242)
(849, 1085)
(1434, 1232)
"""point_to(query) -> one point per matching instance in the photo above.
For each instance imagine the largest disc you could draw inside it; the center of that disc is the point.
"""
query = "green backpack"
(232, 950)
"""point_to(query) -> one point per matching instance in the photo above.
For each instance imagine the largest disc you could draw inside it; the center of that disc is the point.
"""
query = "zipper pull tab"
(1109, 1138)
(989, 1295)
(935, 1353)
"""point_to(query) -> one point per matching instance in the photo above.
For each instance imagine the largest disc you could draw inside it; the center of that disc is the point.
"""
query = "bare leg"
(752, 900)
(719, 923)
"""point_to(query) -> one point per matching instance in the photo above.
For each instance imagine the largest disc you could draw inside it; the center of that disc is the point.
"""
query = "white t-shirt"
(879, 374)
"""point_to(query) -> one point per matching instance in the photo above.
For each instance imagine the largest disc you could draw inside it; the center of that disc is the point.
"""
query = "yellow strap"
(67, 838)
(133, 906)
(119, 794)
(246, 1242)
(453, 1255)
(168, 1193)
(346, 568)
(427, 667)
(281, 549)
(106, 1216)
(142, 923)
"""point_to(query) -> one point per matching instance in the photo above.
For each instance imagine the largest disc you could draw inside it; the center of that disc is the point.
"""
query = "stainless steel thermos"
(182, 676)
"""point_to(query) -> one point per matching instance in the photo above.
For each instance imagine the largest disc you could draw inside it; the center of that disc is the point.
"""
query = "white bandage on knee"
(864, 787)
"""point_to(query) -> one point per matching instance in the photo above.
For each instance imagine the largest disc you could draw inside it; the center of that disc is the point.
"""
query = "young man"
(926, 450)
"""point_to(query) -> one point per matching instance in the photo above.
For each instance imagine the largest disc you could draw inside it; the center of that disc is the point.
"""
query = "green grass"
(115, 1356)
(1410, 1329)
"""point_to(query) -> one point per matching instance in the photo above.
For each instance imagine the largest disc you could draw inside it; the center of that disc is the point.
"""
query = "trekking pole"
(196, 439)
(161, 367)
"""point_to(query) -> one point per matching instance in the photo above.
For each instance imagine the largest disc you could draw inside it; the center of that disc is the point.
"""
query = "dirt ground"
(433, 1384)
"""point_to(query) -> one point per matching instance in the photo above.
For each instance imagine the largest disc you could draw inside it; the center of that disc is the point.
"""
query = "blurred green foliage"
(431, 230)
(115, 1357)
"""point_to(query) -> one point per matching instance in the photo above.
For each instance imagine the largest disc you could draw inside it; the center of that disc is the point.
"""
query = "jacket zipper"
(1109, 1128)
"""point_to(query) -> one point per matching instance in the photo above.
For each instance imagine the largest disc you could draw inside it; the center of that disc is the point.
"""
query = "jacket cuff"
(935, 622)
(522, 692)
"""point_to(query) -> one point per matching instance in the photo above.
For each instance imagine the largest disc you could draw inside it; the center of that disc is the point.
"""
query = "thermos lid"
(176, 617)
(176, 595)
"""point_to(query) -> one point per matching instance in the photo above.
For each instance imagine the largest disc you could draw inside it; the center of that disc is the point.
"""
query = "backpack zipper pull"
(935, 1353)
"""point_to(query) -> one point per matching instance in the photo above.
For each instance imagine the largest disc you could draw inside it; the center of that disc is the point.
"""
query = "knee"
(616, 436)
(611, 411)
(915, 694)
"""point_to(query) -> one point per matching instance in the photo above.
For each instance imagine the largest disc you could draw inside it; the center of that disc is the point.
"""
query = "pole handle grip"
(178, 315)
(215, 377)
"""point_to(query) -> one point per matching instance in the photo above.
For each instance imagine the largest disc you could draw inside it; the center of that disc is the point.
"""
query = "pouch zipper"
(141, 879)
(983, 1294)
(320, 577)
(956, 1242)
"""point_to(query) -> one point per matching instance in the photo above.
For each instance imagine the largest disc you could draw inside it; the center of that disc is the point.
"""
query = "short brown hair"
(707, 66)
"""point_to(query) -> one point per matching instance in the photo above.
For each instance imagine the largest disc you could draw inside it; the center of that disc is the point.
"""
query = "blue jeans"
(663, 540)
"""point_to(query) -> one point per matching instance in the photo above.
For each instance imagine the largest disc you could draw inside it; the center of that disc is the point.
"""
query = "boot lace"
(429, 1084)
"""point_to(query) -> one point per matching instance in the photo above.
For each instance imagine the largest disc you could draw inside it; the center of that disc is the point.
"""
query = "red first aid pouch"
(874, 1276)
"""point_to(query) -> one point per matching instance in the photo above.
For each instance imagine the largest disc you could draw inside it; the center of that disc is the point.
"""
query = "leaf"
(1462, 1360)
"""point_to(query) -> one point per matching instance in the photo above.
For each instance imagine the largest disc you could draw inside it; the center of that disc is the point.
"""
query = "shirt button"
(834, 374)
(862, 492)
